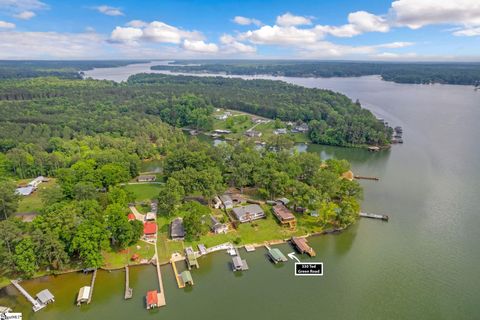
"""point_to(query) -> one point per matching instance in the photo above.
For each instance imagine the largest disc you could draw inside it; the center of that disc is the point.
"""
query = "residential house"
(227, 201)
(301, 128)
(150, 230)
(248, 213)
(150, 216)
(177, 231)
(216, 226)
(280, 131)
(146, 178)
(285, 216)
(253, 133)
(25, 191)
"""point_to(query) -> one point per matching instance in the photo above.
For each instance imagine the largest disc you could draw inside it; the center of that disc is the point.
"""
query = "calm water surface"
(423, 264)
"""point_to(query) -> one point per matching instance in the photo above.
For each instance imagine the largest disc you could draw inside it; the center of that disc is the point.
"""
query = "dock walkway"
(36, 305)
(128, 290)
(161, 294)
(383, 217)
(92, 284)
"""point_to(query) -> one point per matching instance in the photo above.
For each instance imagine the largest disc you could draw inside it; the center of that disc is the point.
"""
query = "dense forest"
(10, 69)
(50, 107)
(419, 73)
(92, 135)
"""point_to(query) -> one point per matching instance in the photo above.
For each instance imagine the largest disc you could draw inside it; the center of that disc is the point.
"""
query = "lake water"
(423, 264)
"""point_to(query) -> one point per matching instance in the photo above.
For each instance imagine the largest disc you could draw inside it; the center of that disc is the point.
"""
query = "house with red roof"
(149, 229)
(131, 217)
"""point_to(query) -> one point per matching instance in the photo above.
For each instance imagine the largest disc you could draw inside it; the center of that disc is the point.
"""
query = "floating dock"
(249, 248)
(301, 245)
(383, 217)
(191, 258)
(36, 304)
(239, 264)
(128, 290)
(276, 256)
(366, 178)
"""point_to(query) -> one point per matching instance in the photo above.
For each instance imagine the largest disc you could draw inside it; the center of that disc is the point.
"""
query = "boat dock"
(191, 258)
(128, 290)
(36, 305)
(92, 284)
(182, 278)
(276, 255)
(249, 248)
(301, 245)
(383, 217)
(161, 295)
(366, 178)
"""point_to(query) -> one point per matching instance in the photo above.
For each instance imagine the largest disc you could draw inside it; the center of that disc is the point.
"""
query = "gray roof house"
(216, 226)
(248, 213)
(177, 231)
(227, 201)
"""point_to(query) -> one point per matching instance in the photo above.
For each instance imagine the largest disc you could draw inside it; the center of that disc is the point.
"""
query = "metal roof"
(252, 209)
(45, 296)
(277, 255)
(177, 229)
(25, 191)
(186, 276)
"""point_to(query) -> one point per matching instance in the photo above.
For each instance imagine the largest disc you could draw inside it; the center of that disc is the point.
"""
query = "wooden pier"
(302, 246)
(161, 294)
(36, 305)
(366, 178)
(92, 284)
(128, 290)
(182, 280)
(383, 217)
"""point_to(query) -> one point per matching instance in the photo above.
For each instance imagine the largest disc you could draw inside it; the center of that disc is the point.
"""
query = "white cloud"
(418, 13)
(244, 21)
(109, 11)
(395, 45)
(51, 45)
(230, 45)
(359, 22)
(199, 46)
(25, 15)
(288, 19)
(126, 34)
(155, 31)
(468, 32)
(6, 25)
(22, 5)
(277, 35)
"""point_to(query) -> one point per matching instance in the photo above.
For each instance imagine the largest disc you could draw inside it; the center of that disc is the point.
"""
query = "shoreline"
(256, 245)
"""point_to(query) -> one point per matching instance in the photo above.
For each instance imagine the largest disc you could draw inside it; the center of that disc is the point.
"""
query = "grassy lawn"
(118, 259)
(144, 192)
(33, 202)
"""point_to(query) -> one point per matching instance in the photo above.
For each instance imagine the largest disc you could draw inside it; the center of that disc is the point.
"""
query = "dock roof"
(152, 297)
(83, 293)
(186, 276)
(45, 296)
(277, 255)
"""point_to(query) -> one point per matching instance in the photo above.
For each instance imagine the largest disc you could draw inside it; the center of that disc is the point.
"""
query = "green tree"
(88, 242)
(121, 233)
(8, 199)
(170, 196)
(25, 258)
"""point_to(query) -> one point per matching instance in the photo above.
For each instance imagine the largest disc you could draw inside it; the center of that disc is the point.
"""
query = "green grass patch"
(33, 202)
(144, 192)
(118, 259)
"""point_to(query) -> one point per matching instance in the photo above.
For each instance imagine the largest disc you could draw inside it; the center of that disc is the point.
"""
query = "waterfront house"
(248, 213)
(284, 216)
(152, 299)
(146, 178)
(302, 128)
(149, 230)
(222, 131)
(177, 231)
(216, 226)
(83, 294)
(280, 131)
(227, 201)
(283, 201)
(45, 297)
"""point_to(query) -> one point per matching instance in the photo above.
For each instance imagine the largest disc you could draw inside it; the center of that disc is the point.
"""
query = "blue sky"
(342, 29)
